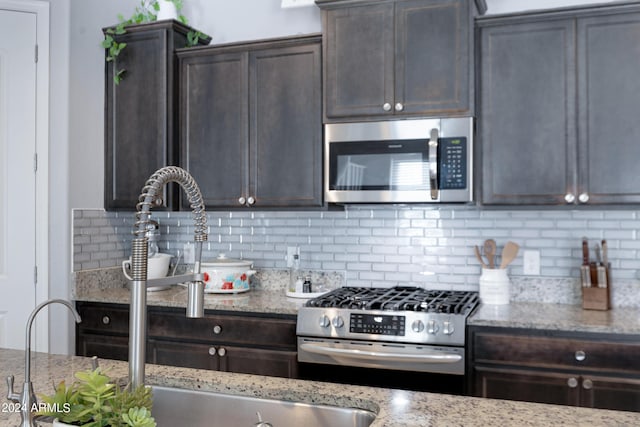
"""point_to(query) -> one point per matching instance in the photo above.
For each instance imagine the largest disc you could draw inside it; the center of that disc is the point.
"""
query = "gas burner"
(398, 299)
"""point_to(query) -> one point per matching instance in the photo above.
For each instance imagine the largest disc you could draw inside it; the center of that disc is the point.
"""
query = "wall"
(385, 246)
(77, 150)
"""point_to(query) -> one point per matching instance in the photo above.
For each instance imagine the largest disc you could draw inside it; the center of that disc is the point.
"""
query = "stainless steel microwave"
(399, 161)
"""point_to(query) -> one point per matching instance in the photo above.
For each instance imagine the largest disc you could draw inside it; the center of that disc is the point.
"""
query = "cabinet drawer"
(261, 332)
(556, 352)
(106, 319)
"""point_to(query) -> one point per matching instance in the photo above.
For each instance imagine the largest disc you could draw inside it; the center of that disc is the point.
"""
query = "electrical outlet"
(531, 261)
(291, 251)
(189, 253)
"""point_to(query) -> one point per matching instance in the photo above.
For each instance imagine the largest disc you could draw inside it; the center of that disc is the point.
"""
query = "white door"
(17, 174)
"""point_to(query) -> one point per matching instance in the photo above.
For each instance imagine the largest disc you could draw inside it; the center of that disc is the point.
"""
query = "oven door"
(379, 355)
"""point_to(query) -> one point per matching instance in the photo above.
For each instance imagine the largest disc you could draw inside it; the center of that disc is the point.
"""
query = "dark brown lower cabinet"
(226, 341)
(565, 368)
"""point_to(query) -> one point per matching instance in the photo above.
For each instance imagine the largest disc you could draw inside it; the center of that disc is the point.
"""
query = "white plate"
(226, 291)
(305, 295)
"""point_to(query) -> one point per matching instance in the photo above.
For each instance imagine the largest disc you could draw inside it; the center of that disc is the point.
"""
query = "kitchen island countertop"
(393, 407)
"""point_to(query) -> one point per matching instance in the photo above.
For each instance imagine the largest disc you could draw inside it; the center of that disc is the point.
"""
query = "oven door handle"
(435, 357)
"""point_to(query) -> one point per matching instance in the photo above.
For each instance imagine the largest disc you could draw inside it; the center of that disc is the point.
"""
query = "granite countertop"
(559, 317)
(393, 407)
(254, 301)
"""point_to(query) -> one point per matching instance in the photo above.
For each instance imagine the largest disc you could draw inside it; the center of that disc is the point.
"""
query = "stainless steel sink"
(179, 407)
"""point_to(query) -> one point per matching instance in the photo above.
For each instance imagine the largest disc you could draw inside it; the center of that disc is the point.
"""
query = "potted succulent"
(147, 11)
(93, 400)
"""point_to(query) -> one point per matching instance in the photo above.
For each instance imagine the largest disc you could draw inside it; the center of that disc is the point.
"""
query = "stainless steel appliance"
(400, 161)
(401, 329)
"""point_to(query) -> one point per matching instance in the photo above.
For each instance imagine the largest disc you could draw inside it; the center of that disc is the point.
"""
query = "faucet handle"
(10, 394)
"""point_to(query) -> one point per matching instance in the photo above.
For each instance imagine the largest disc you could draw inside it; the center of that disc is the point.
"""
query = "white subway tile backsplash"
(378, 246)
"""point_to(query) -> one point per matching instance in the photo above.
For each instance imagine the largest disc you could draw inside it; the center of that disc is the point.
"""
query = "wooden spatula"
(509, 253)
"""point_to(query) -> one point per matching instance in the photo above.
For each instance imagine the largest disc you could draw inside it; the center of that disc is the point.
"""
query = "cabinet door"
(286, 126)
(530, 386)
(259, 361)
(609, 102)
(139, 113)
(359, 62)
(187, 355)
(622, 394)
(433, 47)
(102, 346)
(527, 117)
(213, 126)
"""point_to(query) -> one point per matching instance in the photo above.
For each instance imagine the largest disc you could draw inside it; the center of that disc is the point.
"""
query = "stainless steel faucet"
(139, 255)
(27, 399)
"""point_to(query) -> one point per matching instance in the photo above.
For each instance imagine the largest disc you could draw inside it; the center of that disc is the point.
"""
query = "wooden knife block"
(597, 298)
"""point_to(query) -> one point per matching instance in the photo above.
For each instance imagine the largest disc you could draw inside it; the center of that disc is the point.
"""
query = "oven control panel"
(377, 324)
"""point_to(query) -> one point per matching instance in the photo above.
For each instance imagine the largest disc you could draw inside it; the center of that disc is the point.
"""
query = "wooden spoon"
(477, 251)
(509, 253)
(490, 252)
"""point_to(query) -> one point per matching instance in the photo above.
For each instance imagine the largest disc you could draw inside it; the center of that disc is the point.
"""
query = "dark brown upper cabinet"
(251, 123)
(559, 97)
(398, 57)
(140, 114)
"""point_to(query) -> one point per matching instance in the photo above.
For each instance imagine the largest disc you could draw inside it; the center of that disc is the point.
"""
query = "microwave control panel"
(453, 163)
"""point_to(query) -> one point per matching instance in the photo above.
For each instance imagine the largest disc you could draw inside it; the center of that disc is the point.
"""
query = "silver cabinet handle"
(399, 106)
(242, 200)
(212, 351)
(106, 320)
(251, 200)
(386, 106)
(217, 329)
(583, 197)
(587, 384)
(569, 198)
(580, 355)
(433, 163)
(222, 352)
(572, 382)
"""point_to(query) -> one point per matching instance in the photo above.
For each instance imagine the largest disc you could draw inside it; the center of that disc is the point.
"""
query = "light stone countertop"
(557, 317)
(394, 408)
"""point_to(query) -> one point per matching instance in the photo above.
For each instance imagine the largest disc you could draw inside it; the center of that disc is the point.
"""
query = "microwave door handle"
(433, 163)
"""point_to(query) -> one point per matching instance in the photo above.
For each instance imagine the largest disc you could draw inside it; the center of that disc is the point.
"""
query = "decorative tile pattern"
(386, 246)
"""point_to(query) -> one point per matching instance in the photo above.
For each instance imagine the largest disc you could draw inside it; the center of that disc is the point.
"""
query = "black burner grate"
(398, 299)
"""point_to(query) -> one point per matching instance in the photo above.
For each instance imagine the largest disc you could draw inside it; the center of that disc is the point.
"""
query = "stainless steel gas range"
(400, 329)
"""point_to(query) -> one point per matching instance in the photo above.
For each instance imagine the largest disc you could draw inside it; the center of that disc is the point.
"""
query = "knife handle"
(585, 251)
(585, 276)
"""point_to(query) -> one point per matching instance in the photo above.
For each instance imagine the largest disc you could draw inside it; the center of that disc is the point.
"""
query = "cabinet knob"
(569, 198)
(222, 352)
(106, 320)
(212, 351)
(217, 329)
(587, 384)
(242, 200)
(572, 382)
(386, 106)
(251, 201)
(580, 355)
(399, 106)
(583, 197)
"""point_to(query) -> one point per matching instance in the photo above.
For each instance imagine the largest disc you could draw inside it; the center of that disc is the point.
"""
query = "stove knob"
(447, 327)
(324, 321)
(417, 326)
(432, 327)
(338, 322)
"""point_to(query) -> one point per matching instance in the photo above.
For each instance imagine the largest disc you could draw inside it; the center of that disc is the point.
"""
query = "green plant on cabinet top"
(147, 11)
